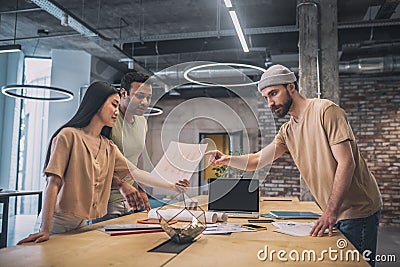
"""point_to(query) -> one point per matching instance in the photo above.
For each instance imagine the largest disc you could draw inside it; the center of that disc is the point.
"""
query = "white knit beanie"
(275, 75)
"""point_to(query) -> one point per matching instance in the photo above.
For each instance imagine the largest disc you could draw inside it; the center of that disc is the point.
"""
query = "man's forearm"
(244, 162)
(343, 176)
(343, 155)
(255, 161)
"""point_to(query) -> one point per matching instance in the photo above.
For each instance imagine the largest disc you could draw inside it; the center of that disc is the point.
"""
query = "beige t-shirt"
(130, 139)
(86, 178)
(309, 143)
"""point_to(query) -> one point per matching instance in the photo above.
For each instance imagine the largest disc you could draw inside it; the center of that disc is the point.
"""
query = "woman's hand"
(133, 196)
(50, 196)
(37, 238)
(145, 198)
(182, 186)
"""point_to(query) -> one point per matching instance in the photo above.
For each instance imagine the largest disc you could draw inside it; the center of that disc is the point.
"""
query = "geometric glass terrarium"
(191, 219)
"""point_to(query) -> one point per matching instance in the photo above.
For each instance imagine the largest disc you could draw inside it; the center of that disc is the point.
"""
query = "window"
(33, 135)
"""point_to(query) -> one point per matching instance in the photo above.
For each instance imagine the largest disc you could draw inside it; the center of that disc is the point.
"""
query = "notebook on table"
(236, 197)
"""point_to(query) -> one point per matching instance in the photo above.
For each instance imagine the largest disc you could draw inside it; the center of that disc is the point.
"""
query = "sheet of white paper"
(299, 230)
(179, 162)
(289, 225)
(225, 228)
(294, 228)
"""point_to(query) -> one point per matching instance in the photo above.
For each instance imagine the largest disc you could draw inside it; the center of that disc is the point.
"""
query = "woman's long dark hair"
(95, 96)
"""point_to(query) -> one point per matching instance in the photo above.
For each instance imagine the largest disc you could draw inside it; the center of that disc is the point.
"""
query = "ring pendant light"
(27, 92)
(187, 72)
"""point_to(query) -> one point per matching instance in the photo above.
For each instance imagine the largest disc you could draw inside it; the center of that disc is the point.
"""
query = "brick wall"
(373, 111)
(284, 167)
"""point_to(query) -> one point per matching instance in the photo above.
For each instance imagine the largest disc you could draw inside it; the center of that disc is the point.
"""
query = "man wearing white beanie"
(323, 147)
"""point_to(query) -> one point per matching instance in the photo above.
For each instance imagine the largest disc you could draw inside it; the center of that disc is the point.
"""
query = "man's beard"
(284, 109)
(141, 110)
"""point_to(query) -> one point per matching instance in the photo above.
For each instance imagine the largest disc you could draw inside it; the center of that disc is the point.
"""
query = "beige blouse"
(86, 178)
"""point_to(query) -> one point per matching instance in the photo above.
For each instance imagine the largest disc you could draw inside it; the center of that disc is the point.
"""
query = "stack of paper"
(293, 228)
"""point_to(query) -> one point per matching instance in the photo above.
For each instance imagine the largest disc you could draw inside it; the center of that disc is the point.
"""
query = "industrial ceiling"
(158, 34)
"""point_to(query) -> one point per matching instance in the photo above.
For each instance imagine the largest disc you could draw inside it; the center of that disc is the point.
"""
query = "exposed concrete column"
(318, 49)
(307, 12)
(329, 51)
(318, 55)
(308, 15)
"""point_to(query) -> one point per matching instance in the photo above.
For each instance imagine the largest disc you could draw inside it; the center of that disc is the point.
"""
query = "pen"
(260, 220)
(136, 232)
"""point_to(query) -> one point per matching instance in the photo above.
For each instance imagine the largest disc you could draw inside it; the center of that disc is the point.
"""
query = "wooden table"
(91, 247)
(5, 199)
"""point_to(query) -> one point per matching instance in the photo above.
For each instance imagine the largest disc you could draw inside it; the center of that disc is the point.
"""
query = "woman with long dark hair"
(82, 165)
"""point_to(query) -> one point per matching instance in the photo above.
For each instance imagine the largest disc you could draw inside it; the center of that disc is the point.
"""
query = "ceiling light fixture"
(228, 3)
(10, 48)
(66, 18)
(186, 73)
(236, 23)
(153, 111)
(24, 91)
(268, 59)
(129, 61)
(32, 92)
(239, 31)
(13, 47)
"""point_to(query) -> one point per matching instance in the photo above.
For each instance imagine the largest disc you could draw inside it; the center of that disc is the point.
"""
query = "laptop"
(238, 198)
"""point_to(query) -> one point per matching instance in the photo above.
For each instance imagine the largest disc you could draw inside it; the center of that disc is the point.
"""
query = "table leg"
(4, 222)
(39, 203)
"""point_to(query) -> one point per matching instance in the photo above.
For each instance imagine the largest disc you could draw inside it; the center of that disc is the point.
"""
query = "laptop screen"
(232, 194)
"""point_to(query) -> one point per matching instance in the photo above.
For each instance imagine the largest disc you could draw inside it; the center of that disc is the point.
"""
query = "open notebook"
(236, 197)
